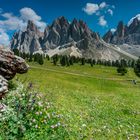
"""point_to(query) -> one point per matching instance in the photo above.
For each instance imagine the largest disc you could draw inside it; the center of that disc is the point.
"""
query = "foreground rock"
(9, 66)
(3, 86)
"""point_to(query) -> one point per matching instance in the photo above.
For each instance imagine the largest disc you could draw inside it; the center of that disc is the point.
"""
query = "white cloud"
(131, 20)
(110, 12)
(103, 5)
(91, 8)
(98, 13)
(102, 21)
(4, 38)
(113, 30)
(94, 8)
(12, 22)
(99, 10)
(29, 14)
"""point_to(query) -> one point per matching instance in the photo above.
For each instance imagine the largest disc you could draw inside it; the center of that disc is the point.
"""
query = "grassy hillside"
(96, 102)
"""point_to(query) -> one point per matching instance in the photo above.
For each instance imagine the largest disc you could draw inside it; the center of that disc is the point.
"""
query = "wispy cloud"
(103, 5)
(12, 22)
(102, 21)
(110, 12)
(4, 38)
(94, 8)
(113, 30)
(91, 8)
(99, 10)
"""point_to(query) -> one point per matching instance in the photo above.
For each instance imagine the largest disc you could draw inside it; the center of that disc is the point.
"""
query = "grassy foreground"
(96, 102)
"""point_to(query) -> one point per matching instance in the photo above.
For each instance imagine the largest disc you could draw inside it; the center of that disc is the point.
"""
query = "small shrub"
(122, 70)
(11, 85)
(28, 115)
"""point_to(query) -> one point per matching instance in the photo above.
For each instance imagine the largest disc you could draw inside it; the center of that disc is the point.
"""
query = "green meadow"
(96, 102)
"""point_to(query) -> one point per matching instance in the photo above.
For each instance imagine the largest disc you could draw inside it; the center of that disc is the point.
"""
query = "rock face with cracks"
(9, 66)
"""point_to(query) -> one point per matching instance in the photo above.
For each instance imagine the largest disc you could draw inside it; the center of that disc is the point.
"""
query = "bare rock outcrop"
(27, 41)
(125, 34)
(9, 66)
(58, 36)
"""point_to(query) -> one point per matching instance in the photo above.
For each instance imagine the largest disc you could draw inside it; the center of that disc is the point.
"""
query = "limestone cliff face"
(62, 32)
(59, 33)
(27, 41)
(62, 35)
(125, 34)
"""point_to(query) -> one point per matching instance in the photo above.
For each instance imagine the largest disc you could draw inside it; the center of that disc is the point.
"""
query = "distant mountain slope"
(126, 36)
(62, 37)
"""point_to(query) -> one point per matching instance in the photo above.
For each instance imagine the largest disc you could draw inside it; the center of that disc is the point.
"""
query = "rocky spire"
(125, 34)
(134, 27)
(24, 40)
(108, 36)
(120, 29)
(31, 26)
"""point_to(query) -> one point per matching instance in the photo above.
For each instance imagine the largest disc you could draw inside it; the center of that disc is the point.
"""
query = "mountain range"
(76, 39)
(126, 37)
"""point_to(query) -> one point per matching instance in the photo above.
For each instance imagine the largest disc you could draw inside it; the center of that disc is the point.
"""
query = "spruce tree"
(122, 70)
(55, 59)
(67, 61)
(133, 63)
(63, 60)
(91, 63)
(137, 67)
(40, 59)
(94, 61)
(31, 57)
(83, 61)
(71, 60)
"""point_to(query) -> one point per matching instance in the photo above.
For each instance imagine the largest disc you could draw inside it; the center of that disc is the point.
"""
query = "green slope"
(96, 102)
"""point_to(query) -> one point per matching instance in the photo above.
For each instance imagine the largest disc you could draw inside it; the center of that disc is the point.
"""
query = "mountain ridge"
(126, 37)
(64, 35)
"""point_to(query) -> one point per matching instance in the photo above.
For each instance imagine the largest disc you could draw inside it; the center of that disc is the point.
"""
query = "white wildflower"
(37, 113)
(33, 120)
(83, 125)
(36, 126)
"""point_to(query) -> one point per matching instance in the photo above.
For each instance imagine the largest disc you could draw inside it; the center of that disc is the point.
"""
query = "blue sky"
(100, 15)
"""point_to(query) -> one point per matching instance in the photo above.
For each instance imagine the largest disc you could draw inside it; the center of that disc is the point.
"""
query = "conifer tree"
(83, 61)
(137, 67)
(63, 60)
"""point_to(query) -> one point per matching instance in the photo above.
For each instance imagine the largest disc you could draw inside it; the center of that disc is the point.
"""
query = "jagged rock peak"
(125, 34)
(120, 29)
(135, 22)
(31, 26)
(61, 21)
(83, 24)
(108, 36)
